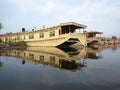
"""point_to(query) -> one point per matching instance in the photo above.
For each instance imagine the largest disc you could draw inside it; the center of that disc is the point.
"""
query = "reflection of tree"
(23, 61)
(114, 48)
(1, 64)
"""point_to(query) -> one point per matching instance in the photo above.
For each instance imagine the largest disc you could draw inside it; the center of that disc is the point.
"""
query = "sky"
(98, 15)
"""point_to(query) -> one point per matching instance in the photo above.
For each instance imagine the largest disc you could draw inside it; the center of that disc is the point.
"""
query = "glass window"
(31, 36)
(41, 35)
(41, 58)
(31, 56)
(52, 33)
(52, 59)
(24, 36)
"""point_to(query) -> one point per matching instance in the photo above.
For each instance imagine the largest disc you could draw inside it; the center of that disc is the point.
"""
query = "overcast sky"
(98, 15)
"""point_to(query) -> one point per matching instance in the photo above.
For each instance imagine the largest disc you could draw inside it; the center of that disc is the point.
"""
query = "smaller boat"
(93, 45)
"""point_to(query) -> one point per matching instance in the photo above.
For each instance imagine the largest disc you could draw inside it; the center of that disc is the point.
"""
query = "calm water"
(46, 68)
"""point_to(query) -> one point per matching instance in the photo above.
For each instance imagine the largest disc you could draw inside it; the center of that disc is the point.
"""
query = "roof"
(73, 23)
(9, 34)
(76, 25)
(93, 32)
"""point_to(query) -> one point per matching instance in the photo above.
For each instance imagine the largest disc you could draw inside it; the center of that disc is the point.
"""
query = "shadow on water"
(62, 58)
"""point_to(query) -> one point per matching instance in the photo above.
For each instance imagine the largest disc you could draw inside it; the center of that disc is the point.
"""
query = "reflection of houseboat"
(62, 34)
(2, 45)
(49, 56)
(70, 59)
(111, 41)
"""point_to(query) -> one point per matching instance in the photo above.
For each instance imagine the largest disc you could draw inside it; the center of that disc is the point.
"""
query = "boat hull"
(63, 40)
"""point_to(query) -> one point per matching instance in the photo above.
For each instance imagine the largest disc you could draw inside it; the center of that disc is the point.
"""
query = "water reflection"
(96, 69)
(65, 58)
(1, 64)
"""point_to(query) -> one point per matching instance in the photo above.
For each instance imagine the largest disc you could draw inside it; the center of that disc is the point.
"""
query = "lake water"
(48, 68)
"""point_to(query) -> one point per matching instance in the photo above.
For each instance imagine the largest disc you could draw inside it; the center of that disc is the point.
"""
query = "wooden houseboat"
(92, 40)
(63, 34)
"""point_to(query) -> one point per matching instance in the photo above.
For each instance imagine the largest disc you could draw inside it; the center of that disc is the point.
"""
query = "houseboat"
(63, 34)
(93, 40)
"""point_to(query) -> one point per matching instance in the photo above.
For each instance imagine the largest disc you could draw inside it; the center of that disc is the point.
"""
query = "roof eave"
(73, 23)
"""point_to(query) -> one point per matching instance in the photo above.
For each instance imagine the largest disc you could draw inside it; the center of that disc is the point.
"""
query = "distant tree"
(1, 26)
(0, 29)
(114, 37)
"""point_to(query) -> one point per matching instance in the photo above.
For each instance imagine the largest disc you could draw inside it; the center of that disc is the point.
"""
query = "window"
(24, 53)
(41, 58)
(52, 59)
(24, 36)
(31, 36)
(41, 35)
(31, 56)
(52, 33)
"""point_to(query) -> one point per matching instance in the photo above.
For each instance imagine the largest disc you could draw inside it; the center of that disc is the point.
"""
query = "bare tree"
(0, 29)
(1, 26)
(114, 37)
